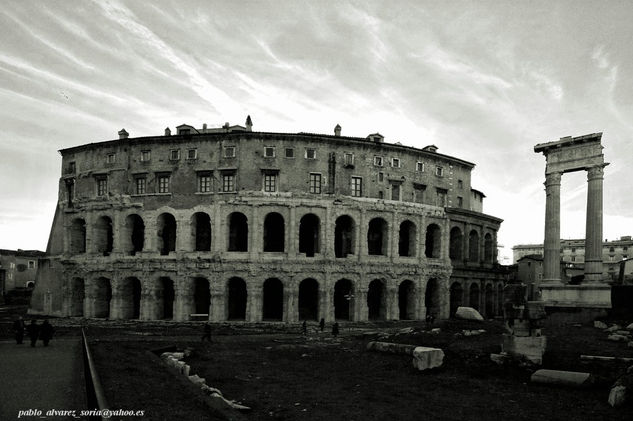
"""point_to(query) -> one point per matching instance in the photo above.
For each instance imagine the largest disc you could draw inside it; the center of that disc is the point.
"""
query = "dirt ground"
(281, 374)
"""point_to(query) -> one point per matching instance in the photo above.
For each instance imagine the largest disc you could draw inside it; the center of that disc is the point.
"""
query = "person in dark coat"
(322, 324)
(207, 332)
(46, 332)
(34, 331)
(335, 329)
(304, 327)
(18, 328)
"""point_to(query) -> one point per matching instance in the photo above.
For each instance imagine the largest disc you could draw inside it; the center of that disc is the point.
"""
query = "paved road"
(41, 378)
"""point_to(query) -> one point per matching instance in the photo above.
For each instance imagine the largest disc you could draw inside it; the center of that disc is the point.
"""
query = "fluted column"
(551, 252)
(593, 233)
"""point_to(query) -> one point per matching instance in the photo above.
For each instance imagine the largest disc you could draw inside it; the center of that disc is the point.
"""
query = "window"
(439, 171)
(70, 191)
(174, 155)
(418, 192)
(573, 250)
(228, 182)
(395, 162)
(102, 186)
(378, 161)
(460, 184)
(269, 152)
(72, 167)
(441, 197)
(204, 182)
(270, 182)
(192, 154)
(395, 191)
(146, 156)
(184, 131)
(625, 248)
(381, 194)
(110, 158)
(141, 185)
(611, 258)
(460, 202)
(357, 186)
(163, 183)
(349, 159)
(315, 183)
(381, 176)
(31, 264)
(611, 250)
(229, 151)
(419, 166)
(573, 258)
(290, 153)
(310, 153)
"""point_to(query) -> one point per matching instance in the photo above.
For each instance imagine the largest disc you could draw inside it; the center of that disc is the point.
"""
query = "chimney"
(337, 130)
(249, 124)
(204, 128)
(167, 131)
(123, 134)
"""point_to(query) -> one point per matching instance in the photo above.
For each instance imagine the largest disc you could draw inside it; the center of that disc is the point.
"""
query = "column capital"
(596, 172)
(553, 178)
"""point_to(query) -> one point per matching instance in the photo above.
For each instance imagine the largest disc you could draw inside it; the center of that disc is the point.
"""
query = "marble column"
(593, 233)
(551, 252)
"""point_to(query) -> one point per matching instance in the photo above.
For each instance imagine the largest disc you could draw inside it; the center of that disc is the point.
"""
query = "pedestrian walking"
(335, 329)
(46, 332)
(322, 324)
(207, 333)
(18, 328)
(34, 330)
(304, 328)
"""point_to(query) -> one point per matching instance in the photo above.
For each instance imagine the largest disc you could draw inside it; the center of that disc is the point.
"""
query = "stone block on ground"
(614, 328)
(426, 358)
(391, 347)
(617, 338)
(562, 378)
(599, 324)
(617, 396)
(473, 332)
(195, 379)
(631, 344)
(436, 330)
(530, 348)
(630, 327)
(468, 313)
(500, 359)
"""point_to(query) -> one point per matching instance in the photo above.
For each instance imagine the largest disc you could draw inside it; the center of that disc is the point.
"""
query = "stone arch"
(130, 298)
(166, 297)
(77, 296)
(344, 300)
(236, 299)
(309, 240)
(102, 293)
(200, 231)
(456, 297)
(344, 236)
(133, 234)
(201, 295)
(433, 241)
(473, 296)
(456, 244)
(499, 296)
(488, 248)
(407, 300)
(103, 235)
(309, 299)
(274, 232)
(273, 302)
(377, 300)
(473, 246)
(489, 299)
(238, 232)
(377, 237)
(432, 300)
(78, 236)
(166, 233)
(407, 239)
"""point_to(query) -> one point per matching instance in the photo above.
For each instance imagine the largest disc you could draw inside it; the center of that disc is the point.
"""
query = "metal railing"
(95, 398)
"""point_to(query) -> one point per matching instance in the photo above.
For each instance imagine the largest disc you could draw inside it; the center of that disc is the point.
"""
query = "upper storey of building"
(195, 163)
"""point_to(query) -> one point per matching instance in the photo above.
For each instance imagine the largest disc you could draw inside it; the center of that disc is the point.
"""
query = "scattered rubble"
(424, 358)
(563, 378)
(599, 324)
(468, 313)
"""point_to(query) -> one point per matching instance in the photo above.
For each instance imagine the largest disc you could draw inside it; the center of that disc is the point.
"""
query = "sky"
(484, 81)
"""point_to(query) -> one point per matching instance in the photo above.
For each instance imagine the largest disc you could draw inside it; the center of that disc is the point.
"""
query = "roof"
(19, 252)
(537, 257)
(568, 141)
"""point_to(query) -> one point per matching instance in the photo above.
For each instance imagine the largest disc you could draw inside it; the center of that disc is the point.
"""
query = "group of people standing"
(44, 332)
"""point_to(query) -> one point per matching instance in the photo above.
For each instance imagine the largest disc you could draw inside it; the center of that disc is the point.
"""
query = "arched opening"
(473, 246)
(166, 298)
(238, 232)
(457, 294)
(78, 236)
(77, 295)
(130, 298)
(237, 299)
(456, 246)
(376, 300)
(273, 299)
(344, 236)
(103, 236)
(274, 232)
(103, 297)
(201, 231)
(309, 242)
(432, 298)
(201, 295)
(343, 299)
(133, 234)
(377, 237)
(407, 239)
(433, 241)
(473, 300)
(488, 249)
(490, 301)
(166, 231)
(500, 299)
(406, 300)
(308, 299)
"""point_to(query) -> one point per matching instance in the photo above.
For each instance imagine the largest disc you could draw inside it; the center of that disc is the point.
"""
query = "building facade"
(244, 225)
(18, 269)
